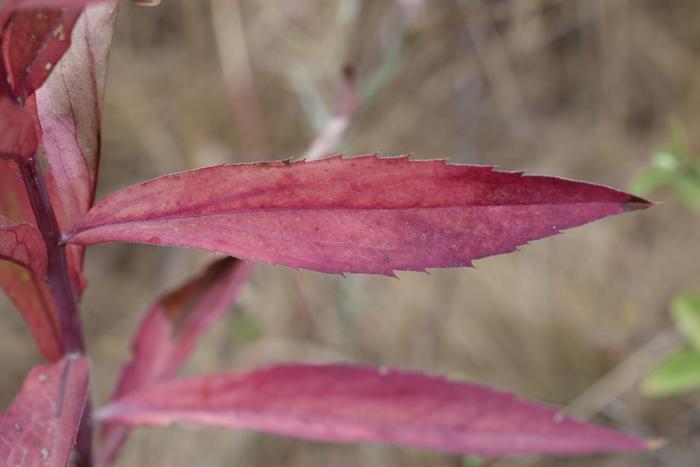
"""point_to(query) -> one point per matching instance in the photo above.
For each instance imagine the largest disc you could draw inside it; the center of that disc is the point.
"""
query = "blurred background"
(583, 89)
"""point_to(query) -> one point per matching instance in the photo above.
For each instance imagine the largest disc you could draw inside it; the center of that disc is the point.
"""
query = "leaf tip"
(655, 443)
(635, 203)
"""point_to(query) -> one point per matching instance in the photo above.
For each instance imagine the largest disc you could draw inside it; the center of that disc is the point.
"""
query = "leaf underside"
(69, 110)
(342, 403)
(363, 214)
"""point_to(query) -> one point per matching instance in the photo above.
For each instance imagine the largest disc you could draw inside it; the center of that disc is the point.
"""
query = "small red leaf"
(350, 215)
(40, 426)
(169, 333)
(33, 41)
(33, 299)
(353, 404)
(23, 244)
(28, 292)
(17, 135)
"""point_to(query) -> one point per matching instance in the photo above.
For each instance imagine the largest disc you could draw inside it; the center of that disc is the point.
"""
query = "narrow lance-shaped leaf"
(353, 404)
(364, 214)
(169, 333)
(27, 290)
(69, 106)
(39, 428)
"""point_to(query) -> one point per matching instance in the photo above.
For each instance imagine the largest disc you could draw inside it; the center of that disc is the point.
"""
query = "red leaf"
(40, 426)
(17, 135)
(33, 299)
(69, 106)
(169, 333)
(28, 4)
(23, 244)
(33, 41)
(28, 292)
(350, 215)
(353, 404)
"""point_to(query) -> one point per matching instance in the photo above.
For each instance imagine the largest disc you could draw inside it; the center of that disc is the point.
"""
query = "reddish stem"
(59, 283)
(57, 276)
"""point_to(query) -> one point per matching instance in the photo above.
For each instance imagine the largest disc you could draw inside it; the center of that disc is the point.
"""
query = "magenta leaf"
(69, 106)
(169, 333)
(26, 289)
(17, 136)
(39, 428)
(343, 403)
(33, 299)
(33, 40)
(28, 4)
(23, 244)
(362, 214)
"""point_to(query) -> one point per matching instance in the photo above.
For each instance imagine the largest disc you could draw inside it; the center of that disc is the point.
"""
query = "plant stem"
(57, 275)
(59, 283)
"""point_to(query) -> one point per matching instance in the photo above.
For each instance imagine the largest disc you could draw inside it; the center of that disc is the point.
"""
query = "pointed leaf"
(39, 428)
(350, 215)
(686, 313)
(169, 333)
(28, 291)
(677, 374)
(69, 106)
(22, 244)
(354, 404)
(17, 135)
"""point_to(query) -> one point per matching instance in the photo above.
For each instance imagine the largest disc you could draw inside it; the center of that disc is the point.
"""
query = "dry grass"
(577, 88)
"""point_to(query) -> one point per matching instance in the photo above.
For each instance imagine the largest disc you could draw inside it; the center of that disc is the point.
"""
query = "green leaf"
(472, 461)
(679, 139)
(686, 313)
(245, 329)
(666, 160)
(649, 179)
(688, 190)
(679, 373)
